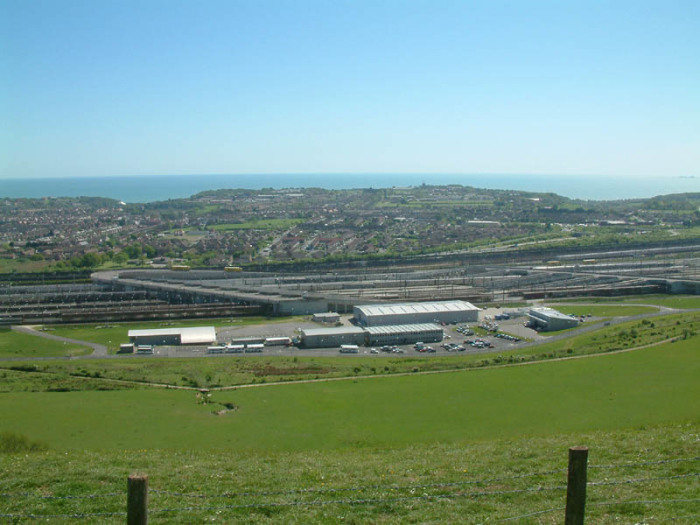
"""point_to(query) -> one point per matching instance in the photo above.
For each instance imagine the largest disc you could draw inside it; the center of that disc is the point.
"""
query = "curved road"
(97, 349)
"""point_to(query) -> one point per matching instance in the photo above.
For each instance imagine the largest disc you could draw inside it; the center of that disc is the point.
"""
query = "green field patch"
(23, 377)
(670, 301)
(263, 224)
(648, 386)
(604, 310)
(16, 344)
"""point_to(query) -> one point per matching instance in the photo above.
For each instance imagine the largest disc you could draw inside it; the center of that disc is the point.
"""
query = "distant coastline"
(163, 187)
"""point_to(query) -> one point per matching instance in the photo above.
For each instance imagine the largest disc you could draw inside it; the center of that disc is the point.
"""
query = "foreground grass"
(445, 482)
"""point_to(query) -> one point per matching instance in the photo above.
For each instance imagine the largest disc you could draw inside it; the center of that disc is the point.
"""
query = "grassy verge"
(604, 310)
(16, 344)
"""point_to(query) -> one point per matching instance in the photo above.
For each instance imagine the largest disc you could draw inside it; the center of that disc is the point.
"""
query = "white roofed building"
(416, 313)
(549, 320)
(200, 335)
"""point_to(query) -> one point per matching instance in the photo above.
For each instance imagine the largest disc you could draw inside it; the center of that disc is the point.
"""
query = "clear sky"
(124, 87)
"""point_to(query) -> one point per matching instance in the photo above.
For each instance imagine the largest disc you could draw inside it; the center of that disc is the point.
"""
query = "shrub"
(12, 443)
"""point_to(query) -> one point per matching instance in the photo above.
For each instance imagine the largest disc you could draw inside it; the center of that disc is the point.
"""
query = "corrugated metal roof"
(551, 313)
(408, 308)
(341, 330)
(402, 328)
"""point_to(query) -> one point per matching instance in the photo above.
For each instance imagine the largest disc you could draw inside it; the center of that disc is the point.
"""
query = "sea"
(151, 188)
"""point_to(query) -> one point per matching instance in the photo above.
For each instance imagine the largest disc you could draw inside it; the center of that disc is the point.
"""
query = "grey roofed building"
(200, 335)
(330, 337)
(414, 313)
(404, 334)
(549, 319)
(326, 317)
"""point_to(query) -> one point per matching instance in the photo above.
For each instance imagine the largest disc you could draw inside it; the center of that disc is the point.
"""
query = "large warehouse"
(201, 335)
(373, 335)
(548, 319)
(416, 313)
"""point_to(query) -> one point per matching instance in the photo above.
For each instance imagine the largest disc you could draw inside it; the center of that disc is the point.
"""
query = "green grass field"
(15, 344)
(648, 386)
(670, 301)
(474, 447)
(604, 310)
(264, 224)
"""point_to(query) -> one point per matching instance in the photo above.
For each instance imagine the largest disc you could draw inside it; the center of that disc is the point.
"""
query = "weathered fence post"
(137, 500)
(576, 486)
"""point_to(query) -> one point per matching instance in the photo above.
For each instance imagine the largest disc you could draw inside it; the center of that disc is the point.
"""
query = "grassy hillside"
(484, 481)
(649, 386)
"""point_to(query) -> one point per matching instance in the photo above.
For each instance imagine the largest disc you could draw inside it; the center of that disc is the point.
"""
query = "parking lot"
(455, 336)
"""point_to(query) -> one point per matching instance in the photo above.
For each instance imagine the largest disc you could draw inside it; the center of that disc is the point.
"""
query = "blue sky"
(93, 88)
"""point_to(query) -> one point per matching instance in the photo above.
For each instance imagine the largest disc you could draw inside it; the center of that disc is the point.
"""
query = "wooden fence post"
(576, 486)
(137, 500)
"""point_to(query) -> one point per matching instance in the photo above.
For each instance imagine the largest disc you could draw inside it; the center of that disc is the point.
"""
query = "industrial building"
(404, 334)
(201, 335)
(549, 320)
(373, 335)
(326, 317)
(416, 313)
(332, 337)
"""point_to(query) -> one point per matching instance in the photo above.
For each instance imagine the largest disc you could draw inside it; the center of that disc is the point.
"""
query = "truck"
(349, 349)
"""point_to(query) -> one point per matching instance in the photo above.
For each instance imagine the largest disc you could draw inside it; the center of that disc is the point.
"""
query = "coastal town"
(239, 227)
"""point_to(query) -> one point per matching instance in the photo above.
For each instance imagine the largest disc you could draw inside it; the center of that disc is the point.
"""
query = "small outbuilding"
(326, 317)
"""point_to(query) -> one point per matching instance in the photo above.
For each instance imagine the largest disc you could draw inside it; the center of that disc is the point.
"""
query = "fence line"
(365, 501)
(74, 516)
(387, 494)
(643, 502)
(538, 513)
(688, 517)
(360, 488)
(86, 496)
(641, 480)
(331, 490)
(646, 463)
